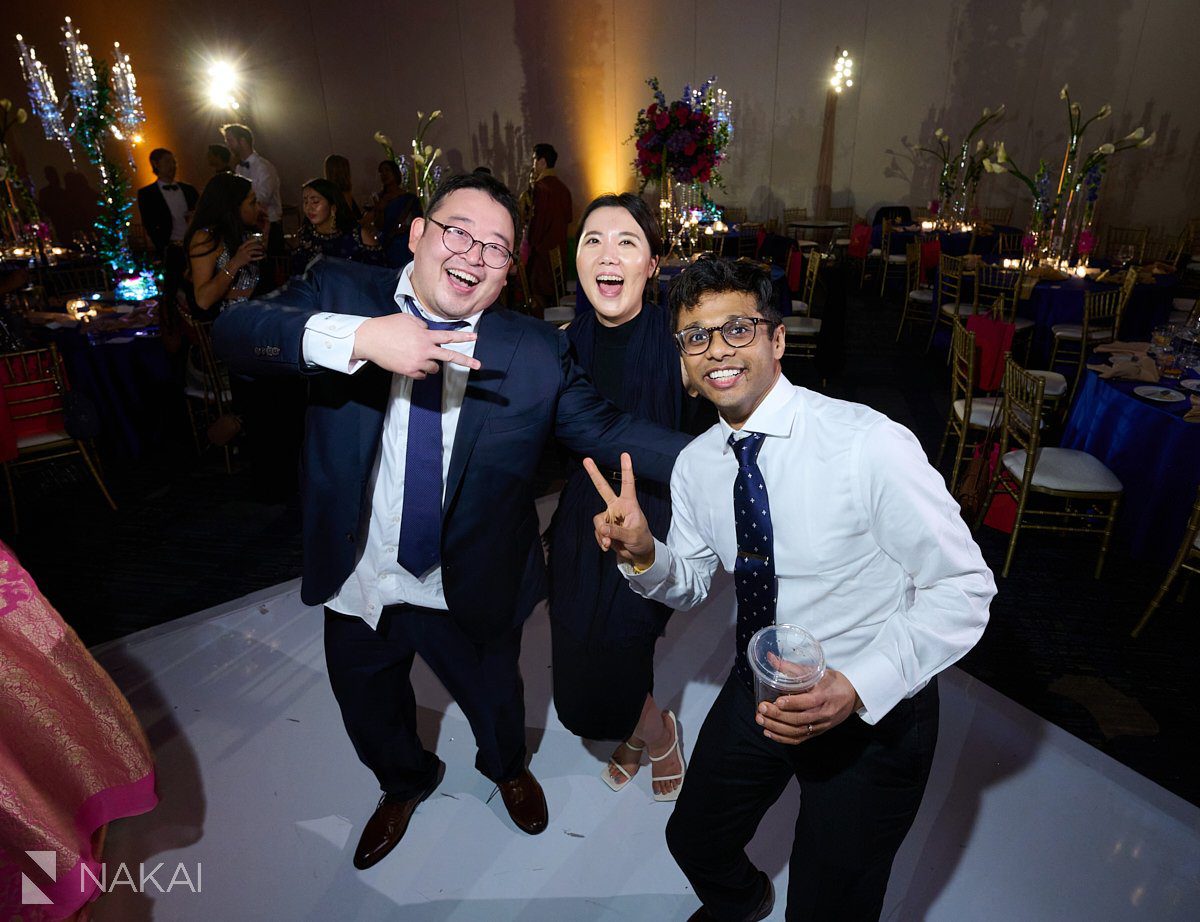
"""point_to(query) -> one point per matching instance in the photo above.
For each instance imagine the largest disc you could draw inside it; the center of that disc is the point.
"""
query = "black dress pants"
(369, 672)
(860, 788)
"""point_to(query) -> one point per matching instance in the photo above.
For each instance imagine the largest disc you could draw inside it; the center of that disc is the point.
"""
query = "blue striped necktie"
(754, 569)
(420, 546)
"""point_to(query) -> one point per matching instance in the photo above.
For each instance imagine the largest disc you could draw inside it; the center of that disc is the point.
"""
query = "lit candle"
(76, 308)
(1081, 271)
(57, 251)
(20, 251)
(708, 231)
(926, 225)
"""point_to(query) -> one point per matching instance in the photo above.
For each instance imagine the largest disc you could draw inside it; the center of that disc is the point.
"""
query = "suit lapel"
(377, 384)
(495, 348)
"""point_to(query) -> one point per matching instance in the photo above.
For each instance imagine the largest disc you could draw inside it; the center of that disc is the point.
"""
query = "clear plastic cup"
(785, 660)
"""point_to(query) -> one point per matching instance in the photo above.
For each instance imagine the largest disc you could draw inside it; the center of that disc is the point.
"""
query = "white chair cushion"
(558, 314)
(897, 258)
(1056, 384)
(801, 326)
(842, 242)
(1075, 331)
(804, 244)
(924, 295)
(1065, 469)
(33, 440)
(1023, 323)
(875, 252)
(954, 309)
(799, 308)
(1194, 265)
(984, 411)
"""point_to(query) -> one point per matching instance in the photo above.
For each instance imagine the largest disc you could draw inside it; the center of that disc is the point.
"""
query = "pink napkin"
(1137, 368)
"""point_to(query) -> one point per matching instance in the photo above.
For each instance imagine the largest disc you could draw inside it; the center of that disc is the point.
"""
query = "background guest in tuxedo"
(166, 207)
(329, 229)
(603, 633)
(260, 171)
(337, 171)
(429, 410)
(828, 514)
(548, 223)
(219, 159)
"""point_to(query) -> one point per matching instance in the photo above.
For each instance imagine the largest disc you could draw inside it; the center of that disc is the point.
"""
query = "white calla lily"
(1062, 94)
(1001, 153)
(1149, 140)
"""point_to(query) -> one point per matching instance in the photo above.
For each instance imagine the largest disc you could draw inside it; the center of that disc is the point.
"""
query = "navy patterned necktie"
(420, 546)
(754, 570)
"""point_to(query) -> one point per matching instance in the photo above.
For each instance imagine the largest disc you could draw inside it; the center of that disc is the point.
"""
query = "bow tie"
(170, 185)
(245, 163)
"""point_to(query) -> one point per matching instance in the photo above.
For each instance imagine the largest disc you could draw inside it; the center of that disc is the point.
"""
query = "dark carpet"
(188, 536)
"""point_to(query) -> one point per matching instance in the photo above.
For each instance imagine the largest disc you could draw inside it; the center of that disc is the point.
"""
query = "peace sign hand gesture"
(622, 526)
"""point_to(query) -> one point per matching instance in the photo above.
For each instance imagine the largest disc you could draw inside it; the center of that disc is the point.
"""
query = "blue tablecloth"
(129, 379)
(954, 243)
(1062, 302)
(1154, 453)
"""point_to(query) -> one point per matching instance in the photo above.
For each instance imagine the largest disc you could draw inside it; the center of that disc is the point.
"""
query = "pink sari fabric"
(72, 755)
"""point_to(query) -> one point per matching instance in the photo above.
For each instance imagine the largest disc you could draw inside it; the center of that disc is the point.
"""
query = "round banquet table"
(1151, 449)
(954, 243)
(1055, 302)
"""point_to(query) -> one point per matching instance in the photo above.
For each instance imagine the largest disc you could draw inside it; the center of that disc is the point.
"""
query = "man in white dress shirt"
(866, 550)
(262, 173)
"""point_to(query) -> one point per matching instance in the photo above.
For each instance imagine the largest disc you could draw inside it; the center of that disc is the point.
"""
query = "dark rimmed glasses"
(458, 241)
(737, 333)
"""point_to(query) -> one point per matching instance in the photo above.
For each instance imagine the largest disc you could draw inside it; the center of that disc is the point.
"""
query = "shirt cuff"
(329, 341)
(879, 686)
(654, 574)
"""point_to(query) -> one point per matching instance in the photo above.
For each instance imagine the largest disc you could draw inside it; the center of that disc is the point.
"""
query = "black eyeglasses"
(738, 332)
(459, 241)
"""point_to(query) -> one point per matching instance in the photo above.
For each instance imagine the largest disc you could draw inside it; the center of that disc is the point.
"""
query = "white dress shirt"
(178, 204)
(871, 554)
(378, 579)
(262, 174)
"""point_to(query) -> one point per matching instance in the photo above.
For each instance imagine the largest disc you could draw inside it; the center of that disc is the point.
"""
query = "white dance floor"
(261, 788)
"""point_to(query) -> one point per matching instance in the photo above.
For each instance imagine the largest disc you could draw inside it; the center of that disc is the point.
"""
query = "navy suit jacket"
(528, 391)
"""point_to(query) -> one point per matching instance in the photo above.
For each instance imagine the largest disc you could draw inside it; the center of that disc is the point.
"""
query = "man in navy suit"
(429, 408)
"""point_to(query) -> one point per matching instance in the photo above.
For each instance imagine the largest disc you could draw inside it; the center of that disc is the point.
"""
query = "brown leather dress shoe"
(389, 822)
(764, 908)
(525, 802)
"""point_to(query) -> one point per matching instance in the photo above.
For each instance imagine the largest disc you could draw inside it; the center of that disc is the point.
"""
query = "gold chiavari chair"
(800, 331)
(1187, 559)
(1101, 320)
(35, 391)
(1060, 490)
(997, 215)
(748, 238)
(1125, 244)
(918, 299)
(949, 295)
(970, 417)
(1008, 243)
(61, 282)
(890, 263)
(845, 216)
(206, 390)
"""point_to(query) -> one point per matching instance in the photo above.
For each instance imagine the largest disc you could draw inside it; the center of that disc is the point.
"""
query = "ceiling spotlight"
(222, 85)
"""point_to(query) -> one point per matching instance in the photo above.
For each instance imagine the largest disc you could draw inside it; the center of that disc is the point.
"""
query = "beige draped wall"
(323, 77)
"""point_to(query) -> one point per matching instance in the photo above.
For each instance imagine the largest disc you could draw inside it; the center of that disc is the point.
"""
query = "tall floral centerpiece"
(681, 145)
(1061, 230)
(425, 173)
(104, 103)
(962, 168)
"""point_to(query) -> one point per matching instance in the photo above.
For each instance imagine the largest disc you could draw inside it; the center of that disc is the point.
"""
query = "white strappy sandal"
(606, 774)
(671, 795)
